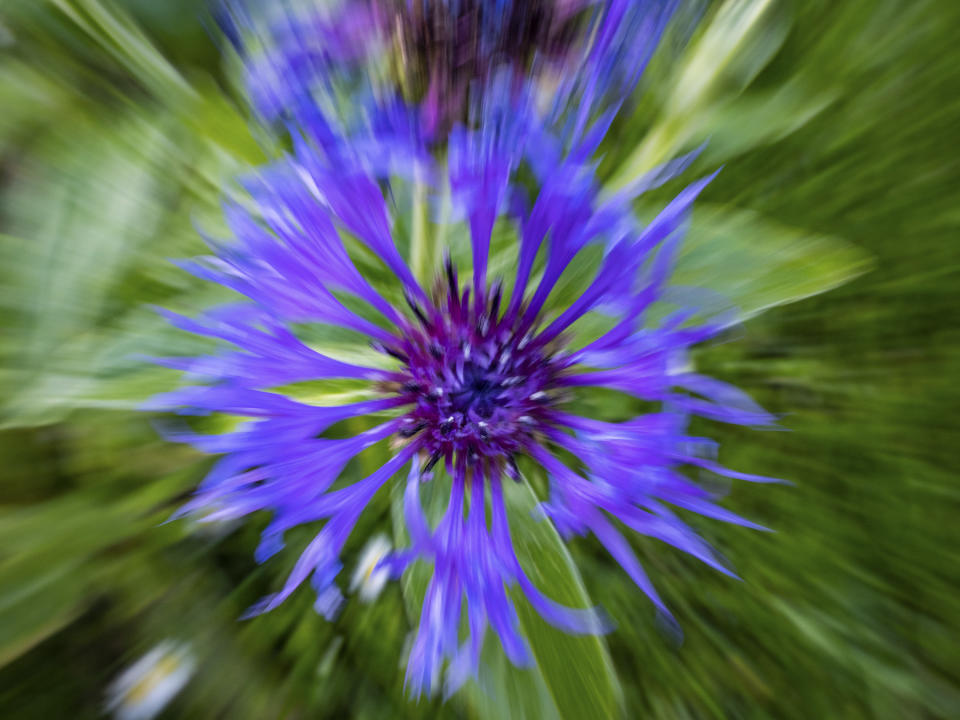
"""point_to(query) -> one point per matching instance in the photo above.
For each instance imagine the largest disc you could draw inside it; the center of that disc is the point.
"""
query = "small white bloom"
(144, 689)
(368, 577)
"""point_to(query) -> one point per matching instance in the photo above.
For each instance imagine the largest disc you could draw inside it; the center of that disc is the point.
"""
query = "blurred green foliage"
(121, 128)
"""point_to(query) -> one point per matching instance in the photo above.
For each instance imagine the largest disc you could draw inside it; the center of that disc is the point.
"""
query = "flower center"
(478, 392)
(475, 383)
(447, 46)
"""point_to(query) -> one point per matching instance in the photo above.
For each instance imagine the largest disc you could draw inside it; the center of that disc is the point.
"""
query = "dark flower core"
(446, 46)
(479, 387)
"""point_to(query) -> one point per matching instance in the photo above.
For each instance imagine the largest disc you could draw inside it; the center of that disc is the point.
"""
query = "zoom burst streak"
(480, 388)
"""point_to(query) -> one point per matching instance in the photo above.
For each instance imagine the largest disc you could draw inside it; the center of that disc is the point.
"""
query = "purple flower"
(302, 59)
(466, 375)
(469, 378)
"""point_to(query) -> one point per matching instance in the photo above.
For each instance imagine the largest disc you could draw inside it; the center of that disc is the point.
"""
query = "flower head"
(467, 375)
(439, 56)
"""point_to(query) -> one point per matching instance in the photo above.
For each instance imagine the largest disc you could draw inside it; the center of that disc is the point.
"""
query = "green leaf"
(573, 676)
(53, 554)
(760, 118)
(83, 212)
(112, 30)
(506, 692)
(739, 41)
(577, 670)
(28, 98)
(93, 217)
(756, 264)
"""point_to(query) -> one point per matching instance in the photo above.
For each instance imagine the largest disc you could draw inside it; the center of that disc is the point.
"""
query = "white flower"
(368, 577)
(145, 688)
